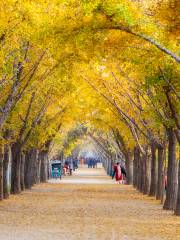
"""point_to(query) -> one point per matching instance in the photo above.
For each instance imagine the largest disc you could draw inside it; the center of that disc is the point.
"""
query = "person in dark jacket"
(114, 170)
(123, 170)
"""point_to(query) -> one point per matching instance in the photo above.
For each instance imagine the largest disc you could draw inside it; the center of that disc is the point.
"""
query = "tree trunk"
(38, 168)
(142, 178)
(22, 171)
(44, 157)
(139, 171)
(27, 170)
(145, 162)
(159, 191)
(171, 172)
(35, 166)
(16, 168)
(153, 184)
(30, 168)
(129, 168)
(5, 170)
(177, 209)
(135, 167)
(110, 166)
(148, 173)
(1, 173)
(176, 184)
(165, 162)
(106, 165)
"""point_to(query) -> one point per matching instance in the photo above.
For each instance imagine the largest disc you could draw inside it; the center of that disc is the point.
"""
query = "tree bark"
(142, 177)
(30, 168)
(109, 166)
(44, 157)
(135, 167)
(22, 171)
(139, 170)
(1, 173)
(153, 184)
(177, 209)
(16, 168)
(145, 186)
(5, 170)
(148, 174)
(171, 172)
(164, 173)
(159, 191)
(129, 168)
(35, 166)
(38, 168)
(27, 170)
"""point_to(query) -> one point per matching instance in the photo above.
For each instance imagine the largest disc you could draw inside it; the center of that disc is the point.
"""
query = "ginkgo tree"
(108, 65)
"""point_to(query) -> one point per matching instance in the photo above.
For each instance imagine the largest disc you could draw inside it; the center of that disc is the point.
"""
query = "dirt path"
(87, 206)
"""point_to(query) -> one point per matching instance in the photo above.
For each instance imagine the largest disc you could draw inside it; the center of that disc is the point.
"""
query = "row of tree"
(146, 172)
(111, 66)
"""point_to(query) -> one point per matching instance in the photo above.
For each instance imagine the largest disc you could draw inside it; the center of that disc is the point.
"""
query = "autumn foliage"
(109, 66)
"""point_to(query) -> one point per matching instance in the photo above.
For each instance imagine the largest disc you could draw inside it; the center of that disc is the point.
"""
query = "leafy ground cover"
(85, 211)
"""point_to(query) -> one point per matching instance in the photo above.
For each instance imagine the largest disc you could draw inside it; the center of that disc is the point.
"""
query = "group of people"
(92, 162)
(119, 172)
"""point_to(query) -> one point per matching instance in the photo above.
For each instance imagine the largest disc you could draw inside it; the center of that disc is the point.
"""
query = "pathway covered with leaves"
(88, 205)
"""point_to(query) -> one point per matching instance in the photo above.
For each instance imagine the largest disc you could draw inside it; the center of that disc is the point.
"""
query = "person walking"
(123, 171)
(74, 165)
(118, 173)
(71, 167)
(113, 170)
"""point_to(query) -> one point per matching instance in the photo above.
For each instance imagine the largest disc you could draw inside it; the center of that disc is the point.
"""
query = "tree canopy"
(109, 66)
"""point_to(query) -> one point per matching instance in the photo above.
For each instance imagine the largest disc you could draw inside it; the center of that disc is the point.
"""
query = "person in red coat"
(118, 173)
